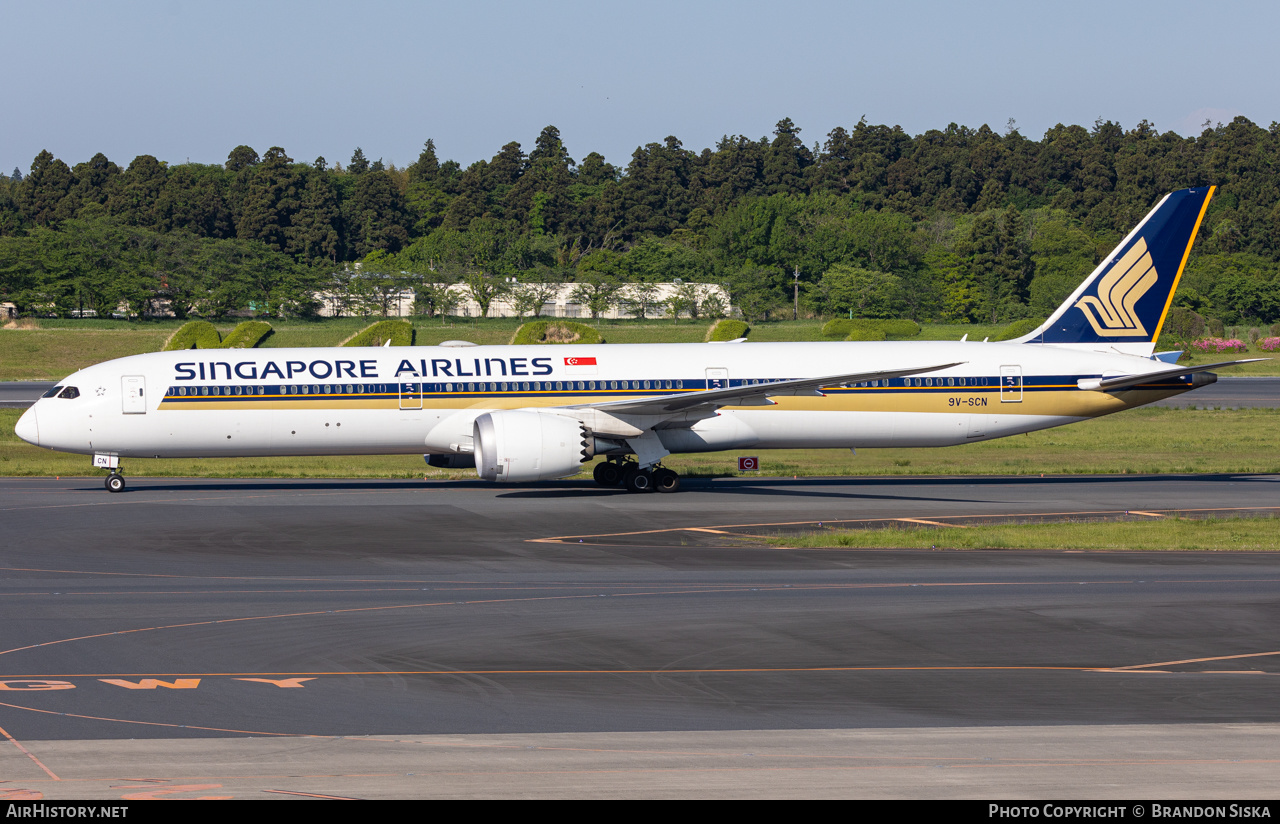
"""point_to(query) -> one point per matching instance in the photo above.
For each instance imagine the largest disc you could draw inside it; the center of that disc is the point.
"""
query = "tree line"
(957, 224)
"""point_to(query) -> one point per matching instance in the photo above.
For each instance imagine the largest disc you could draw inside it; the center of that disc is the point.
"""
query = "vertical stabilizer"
(1122, 304)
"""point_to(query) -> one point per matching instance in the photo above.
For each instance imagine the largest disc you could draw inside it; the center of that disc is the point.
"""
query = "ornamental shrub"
(900, 328)
(247, 335)
(1269, 344)
(555, 331)
(196, 334)
(866, 333)
(399, 332)
(727, 330)
(1217, 345)
(870, 329)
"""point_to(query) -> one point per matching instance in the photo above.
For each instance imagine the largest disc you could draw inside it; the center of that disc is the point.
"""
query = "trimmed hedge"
(727, 329)
(900, 328)
(866, 333)
(196, 334)
(399, 332)
(555, 331)
(869, 329)
(838, 328)
(247, 335)
(1018, 328)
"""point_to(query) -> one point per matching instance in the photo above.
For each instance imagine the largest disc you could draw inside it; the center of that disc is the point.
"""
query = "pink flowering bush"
(1219, 345)
(1269, 344)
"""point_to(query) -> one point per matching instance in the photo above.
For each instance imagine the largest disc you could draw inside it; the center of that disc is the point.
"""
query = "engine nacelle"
(514, 445)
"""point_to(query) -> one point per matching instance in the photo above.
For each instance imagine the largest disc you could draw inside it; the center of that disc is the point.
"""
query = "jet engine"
(514, 445)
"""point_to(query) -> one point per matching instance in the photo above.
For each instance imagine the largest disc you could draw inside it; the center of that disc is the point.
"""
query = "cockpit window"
(53, 392)
(70, 392)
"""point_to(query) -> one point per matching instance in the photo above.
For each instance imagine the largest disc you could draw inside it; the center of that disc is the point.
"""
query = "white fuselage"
(347, 401)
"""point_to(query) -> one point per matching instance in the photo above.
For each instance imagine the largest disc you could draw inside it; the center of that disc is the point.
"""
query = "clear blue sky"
(193, 80)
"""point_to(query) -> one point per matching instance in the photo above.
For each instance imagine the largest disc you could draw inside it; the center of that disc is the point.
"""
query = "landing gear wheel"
(115, 482)
(607, 473)
(666, 480)
(637, 480)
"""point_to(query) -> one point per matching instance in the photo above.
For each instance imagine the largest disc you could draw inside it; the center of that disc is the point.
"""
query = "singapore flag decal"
(580, 366)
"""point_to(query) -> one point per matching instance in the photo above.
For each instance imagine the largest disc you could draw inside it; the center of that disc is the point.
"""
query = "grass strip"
(1168, 534)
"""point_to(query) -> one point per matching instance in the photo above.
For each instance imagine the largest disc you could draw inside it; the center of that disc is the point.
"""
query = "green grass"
(1138, 441)
(1176, 534)
(60, 347)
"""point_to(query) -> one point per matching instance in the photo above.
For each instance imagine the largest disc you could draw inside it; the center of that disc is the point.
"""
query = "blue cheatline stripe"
(253, 393)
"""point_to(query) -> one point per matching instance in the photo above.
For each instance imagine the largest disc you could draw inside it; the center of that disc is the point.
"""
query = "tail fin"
(1122, 305)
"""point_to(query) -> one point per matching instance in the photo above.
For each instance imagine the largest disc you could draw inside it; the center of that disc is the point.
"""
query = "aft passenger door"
(133, 391)
(1011, 384)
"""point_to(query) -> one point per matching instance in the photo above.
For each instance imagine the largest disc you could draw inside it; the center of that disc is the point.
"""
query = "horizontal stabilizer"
(1125, 381)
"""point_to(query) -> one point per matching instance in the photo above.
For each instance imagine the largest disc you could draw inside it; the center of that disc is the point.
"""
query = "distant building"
(560, 305)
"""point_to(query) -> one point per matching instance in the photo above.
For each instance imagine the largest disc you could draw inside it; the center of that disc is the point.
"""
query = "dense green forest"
(954, 225)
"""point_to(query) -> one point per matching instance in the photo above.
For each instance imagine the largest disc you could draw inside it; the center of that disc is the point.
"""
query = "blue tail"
(1126, 298)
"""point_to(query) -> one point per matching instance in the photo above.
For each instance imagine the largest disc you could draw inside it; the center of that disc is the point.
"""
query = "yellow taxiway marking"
(28, 754)
(1197, 660)
(950, 522)
(929, 523)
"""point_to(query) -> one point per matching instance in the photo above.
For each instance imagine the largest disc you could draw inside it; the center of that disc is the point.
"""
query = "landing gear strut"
(629, 476)
(115, 481)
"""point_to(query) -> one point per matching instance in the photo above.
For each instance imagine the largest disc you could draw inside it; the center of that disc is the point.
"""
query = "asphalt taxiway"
(414, 639)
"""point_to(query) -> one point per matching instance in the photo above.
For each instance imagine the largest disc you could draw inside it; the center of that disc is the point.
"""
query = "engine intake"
(514, 445)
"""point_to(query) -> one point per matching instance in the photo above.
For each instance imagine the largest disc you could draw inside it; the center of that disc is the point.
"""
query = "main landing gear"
(115, 481)
(632, 478)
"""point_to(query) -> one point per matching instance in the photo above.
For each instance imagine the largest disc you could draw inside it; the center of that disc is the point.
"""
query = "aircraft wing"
(1125, 381)
(753, 395)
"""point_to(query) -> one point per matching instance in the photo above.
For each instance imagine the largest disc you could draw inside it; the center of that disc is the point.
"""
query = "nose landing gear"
(115, 481)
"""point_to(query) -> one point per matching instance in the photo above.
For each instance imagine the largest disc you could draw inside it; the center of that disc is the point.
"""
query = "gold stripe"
(1062, 400)
(1185, 254)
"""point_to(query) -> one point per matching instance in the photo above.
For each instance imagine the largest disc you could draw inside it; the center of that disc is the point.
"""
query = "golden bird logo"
(1112, 313)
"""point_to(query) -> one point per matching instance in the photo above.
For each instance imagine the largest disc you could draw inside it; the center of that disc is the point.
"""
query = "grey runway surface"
(21, 394)
(245, 628)
(1226, 393)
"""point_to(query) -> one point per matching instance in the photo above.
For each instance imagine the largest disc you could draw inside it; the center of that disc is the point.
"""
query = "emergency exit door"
(133, 392)
(410, 396)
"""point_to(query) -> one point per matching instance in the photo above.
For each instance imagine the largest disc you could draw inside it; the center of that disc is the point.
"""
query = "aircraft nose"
(26, 427)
